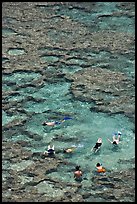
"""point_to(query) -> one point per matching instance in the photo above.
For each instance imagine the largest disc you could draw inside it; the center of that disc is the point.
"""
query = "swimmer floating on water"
(115, 141)
(51, 123)
(56, 122)
(97, 145)
(50, 151)
(69, 150)
(100, 168)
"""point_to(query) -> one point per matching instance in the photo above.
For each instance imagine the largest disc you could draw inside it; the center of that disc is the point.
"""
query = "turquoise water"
(53, 101)
(118, 23)
(82, 131)
(20, 77)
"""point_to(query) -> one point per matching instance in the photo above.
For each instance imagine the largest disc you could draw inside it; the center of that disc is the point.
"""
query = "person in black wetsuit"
(97, 145)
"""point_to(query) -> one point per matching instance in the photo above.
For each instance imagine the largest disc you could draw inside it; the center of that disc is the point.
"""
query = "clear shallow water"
(20, 77)
(82, 131)
(55, 102)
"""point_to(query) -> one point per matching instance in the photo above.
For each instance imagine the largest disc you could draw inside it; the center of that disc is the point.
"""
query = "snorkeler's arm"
(110, 141)
(46, 152)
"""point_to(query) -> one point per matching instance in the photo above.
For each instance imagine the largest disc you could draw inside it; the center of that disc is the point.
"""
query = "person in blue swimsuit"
(56, 122)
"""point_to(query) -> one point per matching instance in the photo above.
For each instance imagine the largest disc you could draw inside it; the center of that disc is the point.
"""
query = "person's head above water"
(115, 142)
(99, 140)
(77, 168)
(98, 165)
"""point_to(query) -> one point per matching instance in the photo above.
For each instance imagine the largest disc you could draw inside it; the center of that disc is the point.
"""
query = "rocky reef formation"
(108, 90)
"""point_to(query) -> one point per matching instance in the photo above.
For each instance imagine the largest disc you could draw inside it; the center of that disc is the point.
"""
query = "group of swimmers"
(78, 172)
(114, 141)
(100, 168)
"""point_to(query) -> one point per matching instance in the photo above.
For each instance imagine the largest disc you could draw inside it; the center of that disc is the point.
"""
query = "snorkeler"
(97, 145)
(50, 151)
(100, 168)
(51, 123)
(56, 122)
(115, 141)
(69, 150)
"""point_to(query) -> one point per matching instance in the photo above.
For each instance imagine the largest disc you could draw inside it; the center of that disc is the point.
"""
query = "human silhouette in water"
(97, 145)
(115, 140)
(100, 168)
(50, 151)
(78, 174)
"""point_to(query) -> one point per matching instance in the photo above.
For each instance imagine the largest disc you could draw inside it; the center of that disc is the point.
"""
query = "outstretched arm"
(110, 141)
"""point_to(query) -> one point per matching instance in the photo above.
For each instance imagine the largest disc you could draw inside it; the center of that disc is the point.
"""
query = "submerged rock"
(108, 90)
